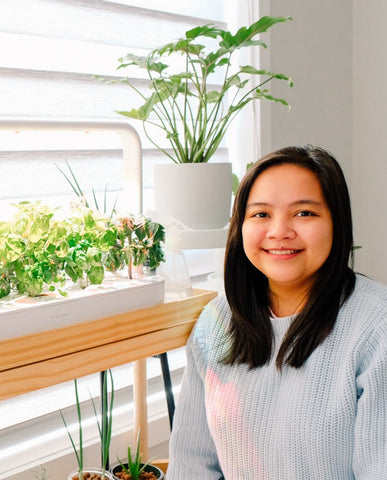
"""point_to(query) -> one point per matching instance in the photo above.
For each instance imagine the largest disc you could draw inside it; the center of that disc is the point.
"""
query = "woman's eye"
(305, 213)
(261, 215)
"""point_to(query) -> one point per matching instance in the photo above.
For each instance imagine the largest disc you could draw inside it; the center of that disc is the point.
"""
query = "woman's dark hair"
(247, 288)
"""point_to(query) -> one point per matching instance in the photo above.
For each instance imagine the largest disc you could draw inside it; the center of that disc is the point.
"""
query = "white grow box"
(20, 315)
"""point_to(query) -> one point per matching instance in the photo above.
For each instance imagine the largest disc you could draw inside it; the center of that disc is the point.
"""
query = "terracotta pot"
(198, 195)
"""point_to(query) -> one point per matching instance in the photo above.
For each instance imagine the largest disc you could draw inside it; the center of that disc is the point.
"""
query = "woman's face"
(287, 230)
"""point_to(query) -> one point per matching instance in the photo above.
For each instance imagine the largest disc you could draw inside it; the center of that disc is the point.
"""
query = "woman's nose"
(280, 228)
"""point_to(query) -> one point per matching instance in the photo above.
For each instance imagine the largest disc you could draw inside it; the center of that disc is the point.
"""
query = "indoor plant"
(105, 432)
(39, 251)
(134, 469)
(139, 239)
(193, 114)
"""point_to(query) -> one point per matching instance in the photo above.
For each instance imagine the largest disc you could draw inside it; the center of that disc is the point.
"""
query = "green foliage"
(104, 426)
(78, 452)
(236, 181)
(31, 250)
(194, 115)
(134, 466)
(89, 236)
(106, 423)
(37, 251)
(139, 240)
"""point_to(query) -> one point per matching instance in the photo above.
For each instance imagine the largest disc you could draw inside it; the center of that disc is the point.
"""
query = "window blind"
(51, 52)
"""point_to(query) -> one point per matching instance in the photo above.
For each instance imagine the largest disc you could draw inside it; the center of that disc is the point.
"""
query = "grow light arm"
(131, 145)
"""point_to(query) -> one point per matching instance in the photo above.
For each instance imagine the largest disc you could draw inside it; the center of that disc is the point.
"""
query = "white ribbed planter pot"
(91, 471)
(196, 194)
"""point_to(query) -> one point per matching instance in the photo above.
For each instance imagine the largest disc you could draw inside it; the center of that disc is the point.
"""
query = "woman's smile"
(282, 253)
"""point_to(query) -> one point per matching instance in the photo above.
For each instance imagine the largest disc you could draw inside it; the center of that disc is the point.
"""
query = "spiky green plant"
(78, 451)
(106, 423)
(77, 189)
(134, 465)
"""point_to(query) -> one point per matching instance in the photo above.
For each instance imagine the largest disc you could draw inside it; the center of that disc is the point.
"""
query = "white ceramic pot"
(98, 471)
(198, 195)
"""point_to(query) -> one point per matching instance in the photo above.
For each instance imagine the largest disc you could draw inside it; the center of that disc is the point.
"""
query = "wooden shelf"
(48, 358)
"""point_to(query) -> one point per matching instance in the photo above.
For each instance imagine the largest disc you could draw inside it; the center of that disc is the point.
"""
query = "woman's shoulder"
(214, 320)
(366, 308)
(369, 294)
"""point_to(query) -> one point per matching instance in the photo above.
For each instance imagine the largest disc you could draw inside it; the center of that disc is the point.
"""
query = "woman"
(286, 377)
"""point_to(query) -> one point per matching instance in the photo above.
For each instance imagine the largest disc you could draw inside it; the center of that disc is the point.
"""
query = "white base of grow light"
(21, 315)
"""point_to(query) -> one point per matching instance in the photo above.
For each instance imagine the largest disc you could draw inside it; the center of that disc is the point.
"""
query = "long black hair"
(247, 288)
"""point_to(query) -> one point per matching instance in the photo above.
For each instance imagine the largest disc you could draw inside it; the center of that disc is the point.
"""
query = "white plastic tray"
(21, 315)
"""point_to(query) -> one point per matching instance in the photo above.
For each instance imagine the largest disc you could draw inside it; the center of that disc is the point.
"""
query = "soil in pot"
(91, 475)
(143, 476)
(150, 473)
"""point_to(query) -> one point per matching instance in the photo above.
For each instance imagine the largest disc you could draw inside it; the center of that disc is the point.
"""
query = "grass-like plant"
(77, 451)
(79, 192)
(106, 423)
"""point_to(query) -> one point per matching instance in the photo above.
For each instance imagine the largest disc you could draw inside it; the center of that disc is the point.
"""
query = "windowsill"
(40, 437)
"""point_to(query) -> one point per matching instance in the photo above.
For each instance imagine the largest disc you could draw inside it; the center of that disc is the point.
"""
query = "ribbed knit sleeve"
(192, 451)
(370, 433)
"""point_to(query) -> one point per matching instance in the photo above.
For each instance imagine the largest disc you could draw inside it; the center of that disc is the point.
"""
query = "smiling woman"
(287, 233)
(320, 239)
(285, 374)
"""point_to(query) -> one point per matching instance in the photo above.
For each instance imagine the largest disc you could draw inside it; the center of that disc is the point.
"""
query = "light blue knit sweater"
(324, 421)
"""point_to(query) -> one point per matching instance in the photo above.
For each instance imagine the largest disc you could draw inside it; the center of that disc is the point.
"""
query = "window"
(54, 50)
(51, 52)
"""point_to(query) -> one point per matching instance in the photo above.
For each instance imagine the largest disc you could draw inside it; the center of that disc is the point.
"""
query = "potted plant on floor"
(105, 432)
(194, 115)
(134, 469)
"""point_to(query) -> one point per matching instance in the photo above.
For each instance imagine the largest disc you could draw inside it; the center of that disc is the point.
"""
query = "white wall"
(369, 174)
(336, 54)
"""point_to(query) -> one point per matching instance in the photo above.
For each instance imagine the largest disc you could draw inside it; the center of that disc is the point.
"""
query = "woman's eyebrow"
(306, 202)
(296, 203)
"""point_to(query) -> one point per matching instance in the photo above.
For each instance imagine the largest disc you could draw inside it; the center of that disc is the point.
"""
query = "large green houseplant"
(193, 108)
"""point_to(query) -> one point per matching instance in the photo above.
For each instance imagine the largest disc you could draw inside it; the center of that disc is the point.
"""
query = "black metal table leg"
(167, 386)
(104, 407)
